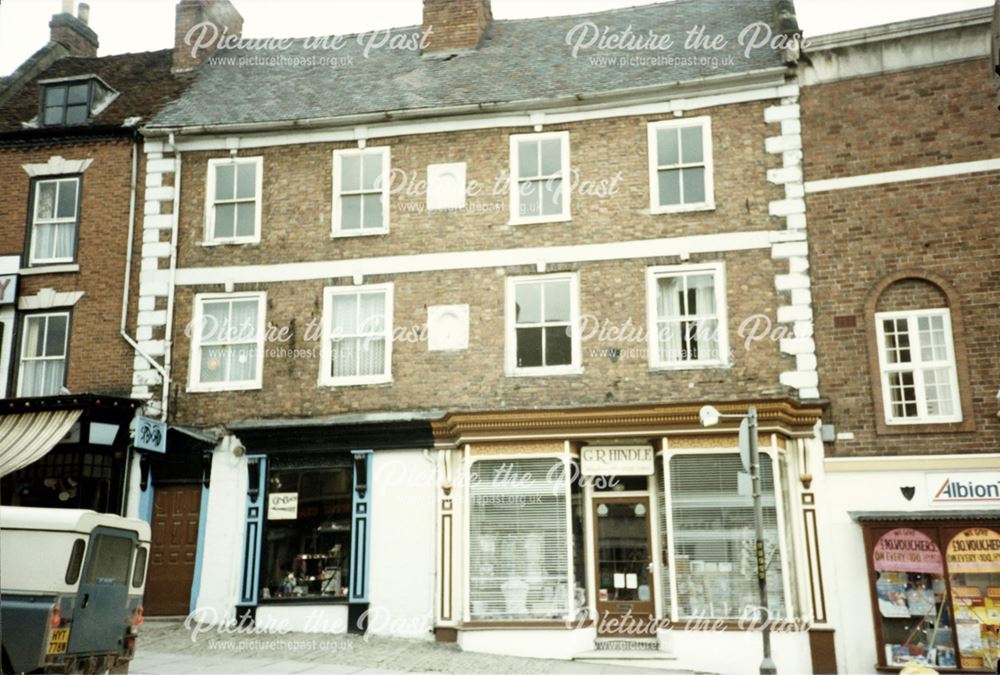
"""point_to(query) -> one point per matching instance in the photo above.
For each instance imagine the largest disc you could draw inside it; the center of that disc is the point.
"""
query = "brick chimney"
(199, 27)
(72, 32)
(454, 26)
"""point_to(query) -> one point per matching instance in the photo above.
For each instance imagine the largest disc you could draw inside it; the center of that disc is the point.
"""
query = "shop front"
(624, 530)
(292, 511)
(925, 535)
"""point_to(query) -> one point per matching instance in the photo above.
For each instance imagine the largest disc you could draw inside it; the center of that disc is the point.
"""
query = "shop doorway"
(624, 569)
(173, 549)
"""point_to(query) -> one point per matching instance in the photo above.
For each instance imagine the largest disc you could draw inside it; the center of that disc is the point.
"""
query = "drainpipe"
(168, 333)
(128, 265)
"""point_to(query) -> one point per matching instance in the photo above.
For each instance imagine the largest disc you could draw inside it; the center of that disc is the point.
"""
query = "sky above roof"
(142, 25)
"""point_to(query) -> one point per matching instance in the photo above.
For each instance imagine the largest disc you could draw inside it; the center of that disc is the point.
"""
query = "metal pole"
(767, 666)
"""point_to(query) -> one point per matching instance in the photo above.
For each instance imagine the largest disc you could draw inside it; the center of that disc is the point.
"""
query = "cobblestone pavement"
(165, 647)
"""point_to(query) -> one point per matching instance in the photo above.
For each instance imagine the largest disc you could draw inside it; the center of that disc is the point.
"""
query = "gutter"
(655, 93)
(900, 29)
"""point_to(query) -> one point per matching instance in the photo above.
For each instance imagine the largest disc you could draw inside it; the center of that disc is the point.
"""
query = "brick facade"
(944, 227)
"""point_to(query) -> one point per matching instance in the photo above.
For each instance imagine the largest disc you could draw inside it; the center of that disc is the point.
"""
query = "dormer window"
(65, 104)
(71, 102)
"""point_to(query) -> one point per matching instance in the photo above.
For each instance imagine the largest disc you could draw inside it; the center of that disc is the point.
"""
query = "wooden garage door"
(173, 550)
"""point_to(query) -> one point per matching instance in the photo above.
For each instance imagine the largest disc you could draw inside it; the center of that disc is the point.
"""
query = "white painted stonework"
(57, 166)
(47, 298)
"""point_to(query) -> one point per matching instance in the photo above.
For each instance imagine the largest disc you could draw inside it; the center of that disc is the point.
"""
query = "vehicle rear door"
(101, 614)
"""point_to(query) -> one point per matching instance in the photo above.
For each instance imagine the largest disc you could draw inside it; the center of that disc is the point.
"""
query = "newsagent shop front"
(628, 532)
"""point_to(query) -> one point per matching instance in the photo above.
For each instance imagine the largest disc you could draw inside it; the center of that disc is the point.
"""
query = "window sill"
(229, 242)
(546, 372)
(341, 600)
(708, 365)
(210, 389)
(682, 208)
(554, 624)
(49, 268)
(355, 382)
(341, 234)
(883, 428)
(540, 220)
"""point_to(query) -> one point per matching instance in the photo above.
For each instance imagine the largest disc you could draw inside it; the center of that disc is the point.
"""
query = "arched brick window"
(917, 355)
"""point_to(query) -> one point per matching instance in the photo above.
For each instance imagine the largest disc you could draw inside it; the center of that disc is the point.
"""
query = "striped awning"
(27, 437)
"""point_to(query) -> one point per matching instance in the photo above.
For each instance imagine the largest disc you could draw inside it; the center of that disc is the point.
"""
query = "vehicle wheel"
(6, 667)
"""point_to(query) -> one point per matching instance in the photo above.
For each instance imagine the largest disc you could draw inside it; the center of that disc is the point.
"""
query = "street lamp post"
(710, 416)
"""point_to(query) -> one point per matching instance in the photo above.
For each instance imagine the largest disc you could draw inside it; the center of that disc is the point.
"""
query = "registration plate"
(59, 641)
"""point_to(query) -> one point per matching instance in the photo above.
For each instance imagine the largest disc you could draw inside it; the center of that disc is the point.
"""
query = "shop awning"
(943, 514)
(27, 437)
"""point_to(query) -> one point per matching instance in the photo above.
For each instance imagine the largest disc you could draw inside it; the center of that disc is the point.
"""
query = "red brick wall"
(99, 359)
(946, 227)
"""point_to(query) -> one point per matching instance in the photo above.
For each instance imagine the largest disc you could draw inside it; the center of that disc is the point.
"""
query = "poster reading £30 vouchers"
(974, 566)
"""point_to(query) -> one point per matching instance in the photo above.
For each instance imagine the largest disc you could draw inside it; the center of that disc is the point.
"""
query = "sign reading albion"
(616, 460)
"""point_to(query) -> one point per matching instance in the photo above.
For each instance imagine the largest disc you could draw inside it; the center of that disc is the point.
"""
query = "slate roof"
(143, 80)
(518, 60)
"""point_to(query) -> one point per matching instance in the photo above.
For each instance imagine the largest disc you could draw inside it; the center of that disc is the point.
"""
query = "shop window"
(714, 541)
(307, 536)
(519, 560)
(234, 204)
(687, 316)
(542, 312)
(357, 335)
(917, 360)
(938, 610)
(227, 342)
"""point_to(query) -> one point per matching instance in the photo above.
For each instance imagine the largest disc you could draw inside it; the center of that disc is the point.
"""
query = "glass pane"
(350, 172)
(372, 167)
(55, 337)
(64, 239)
(667, 152)
(670, 187)
(528, 302)
(32, 379)
(110, 558)
(694, 185)
(242, 363)
(244, 321)
(551, 156)
(76, 114)
(558, 346)
(54, 115)
(78, 93)
(623, 556)
(67, 199)
(372, 356)
(46, 200)
(902, 394)
(139, 570)
(213, 360)
(246, 181)
(668, 297)
(932, 338)
(34, 335)
(373, 212)
(345, 314)
(937, 389)
(345, 357)
(527, 159)
(372, 313)
(529, 347)
(225, 216)
(529, 198)
(897, 341)
(215, 322)
(54, 377)
(557, 300)
(55, 96)
(225, 177)
(551, 193)
(701, 294)
(691, 145)
(350, 212)
(246, 219)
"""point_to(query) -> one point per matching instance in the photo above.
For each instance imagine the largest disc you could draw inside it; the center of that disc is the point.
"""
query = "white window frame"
(338, 157)
(514, 187)
(917, 365)
(210, 203)
(653, 274)
(654, 183)
(21, 358)
(326, 349)
(32, 260)
(194, 366)
(510, 314)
